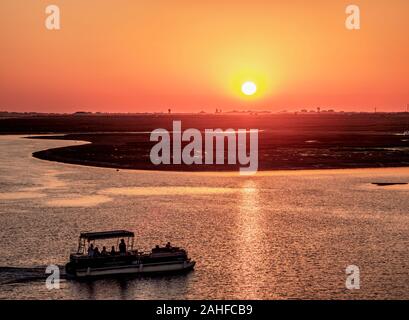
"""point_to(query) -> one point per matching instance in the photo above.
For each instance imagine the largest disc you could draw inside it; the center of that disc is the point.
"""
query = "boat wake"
(15, 275)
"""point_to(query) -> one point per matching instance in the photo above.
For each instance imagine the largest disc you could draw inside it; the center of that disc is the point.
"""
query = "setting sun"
(249, 88)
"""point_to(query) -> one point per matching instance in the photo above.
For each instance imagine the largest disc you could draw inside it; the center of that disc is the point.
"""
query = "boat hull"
(132, 269)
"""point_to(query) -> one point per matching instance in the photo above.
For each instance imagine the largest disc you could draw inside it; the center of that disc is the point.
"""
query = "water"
(278, 235)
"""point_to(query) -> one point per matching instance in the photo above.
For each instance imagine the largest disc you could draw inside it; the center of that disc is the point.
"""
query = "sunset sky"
(139, 55)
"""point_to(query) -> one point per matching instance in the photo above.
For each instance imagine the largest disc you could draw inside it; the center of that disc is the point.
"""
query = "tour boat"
(86, 262)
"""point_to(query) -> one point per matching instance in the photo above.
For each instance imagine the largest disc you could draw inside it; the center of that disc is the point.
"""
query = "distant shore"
(286, 142)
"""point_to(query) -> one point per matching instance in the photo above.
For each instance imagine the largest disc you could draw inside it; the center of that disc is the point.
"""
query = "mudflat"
(286, 141)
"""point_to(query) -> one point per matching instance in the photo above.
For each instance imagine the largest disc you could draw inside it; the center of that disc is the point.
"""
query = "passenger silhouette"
(122, 247)
(91, 250)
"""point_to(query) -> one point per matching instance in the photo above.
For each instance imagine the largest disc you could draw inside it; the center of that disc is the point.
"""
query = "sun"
(249, 88)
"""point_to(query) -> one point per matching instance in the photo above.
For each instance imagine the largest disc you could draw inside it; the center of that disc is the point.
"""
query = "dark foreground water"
(277, 235)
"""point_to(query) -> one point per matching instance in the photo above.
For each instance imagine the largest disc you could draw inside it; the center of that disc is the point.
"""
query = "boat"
(406, 133)
(87, 262)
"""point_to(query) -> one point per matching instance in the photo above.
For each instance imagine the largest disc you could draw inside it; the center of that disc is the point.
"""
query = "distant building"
(81, 113)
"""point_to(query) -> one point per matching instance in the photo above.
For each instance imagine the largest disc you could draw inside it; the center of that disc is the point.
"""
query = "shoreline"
(53, 154)
(272, 170)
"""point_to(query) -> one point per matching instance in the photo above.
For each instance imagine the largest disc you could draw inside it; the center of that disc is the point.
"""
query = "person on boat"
(122, 247)
(113, 251)
(96, 252)
(104, 251)
(168, 246)
(91, 250)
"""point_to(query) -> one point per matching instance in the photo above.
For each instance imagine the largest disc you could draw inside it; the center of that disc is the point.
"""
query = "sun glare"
(249, 88)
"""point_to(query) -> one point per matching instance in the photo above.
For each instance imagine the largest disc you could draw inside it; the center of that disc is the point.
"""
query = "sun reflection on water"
(249, 236)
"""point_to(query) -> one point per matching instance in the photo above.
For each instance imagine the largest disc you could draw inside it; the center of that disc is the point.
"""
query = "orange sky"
(140, 55)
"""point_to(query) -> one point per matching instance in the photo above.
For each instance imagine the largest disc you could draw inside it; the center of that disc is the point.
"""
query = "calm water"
(273, 236)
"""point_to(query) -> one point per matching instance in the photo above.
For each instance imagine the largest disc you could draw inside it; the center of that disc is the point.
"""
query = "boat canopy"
(90, 236)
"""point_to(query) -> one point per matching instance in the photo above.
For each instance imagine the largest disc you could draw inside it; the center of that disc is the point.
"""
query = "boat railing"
(83, 256)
